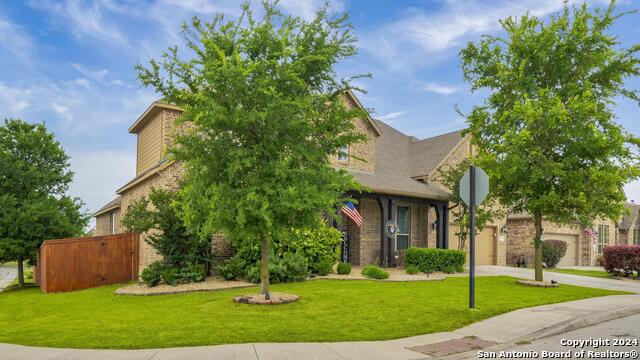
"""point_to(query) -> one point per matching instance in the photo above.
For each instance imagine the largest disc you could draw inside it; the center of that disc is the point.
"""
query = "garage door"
(570, 258)
(485, 244)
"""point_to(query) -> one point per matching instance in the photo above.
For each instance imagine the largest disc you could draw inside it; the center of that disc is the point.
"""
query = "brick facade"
(103, 223)
(521, 231)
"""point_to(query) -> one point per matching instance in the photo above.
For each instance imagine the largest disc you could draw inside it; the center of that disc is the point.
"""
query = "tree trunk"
(537, 245)
(20, 271)
(264, 268)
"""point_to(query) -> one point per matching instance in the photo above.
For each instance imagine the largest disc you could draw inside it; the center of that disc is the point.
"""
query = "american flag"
(352, 213)
(592, 234)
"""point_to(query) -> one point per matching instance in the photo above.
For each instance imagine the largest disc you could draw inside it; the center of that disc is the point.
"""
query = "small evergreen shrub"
(193, 273)
(152, 274)
(412, 269)
(374, 272)
(344, 268)
(622, 260)
(553, 251)
(449, 269)
(170, 275)
(324, 267)
(288, 268)
(232, 269)
(429, 260)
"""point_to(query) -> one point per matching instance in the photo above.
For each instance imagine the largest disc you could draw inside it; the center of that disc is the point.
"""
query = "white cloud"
(16, 41)
(13, 99)
(98, 174)
(442, 89)
(85, 20)
(419, 37)
(96, 75)
(393, 115)
(306, 9)
(632, 190)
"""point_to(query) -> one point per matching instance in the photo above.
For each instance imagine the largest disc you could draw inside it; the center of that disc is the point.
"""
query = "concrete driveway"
(587, 281)
(7, 274)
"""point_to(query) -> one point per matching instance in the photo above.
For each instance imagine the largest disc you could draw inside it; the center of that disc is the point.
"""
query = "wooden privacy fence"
(80, 263)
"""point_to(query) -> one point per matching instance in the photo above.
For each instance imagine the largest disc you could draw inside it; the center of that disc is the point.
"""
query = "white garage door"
(570, 258)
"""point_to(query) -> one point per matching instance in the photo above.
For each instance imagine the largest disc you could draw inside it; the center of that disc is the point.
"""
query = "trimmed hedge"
(622, 260)
(429, 260)
(553, 251)
(374, 272)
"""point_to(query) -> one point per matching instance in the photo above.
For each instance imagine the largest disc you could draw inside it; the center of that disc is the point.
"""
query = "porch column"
(442, 229)
(393, 208)
(383, 202)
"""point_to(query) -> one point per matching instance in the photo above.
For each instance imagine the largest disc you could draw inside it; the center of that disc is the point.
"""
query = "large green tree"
(34, 176)
(264, 111)
(547, 133)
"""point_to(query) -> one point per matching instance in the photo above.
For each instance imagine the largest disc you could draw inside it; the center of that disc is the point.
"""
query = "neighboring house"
(108, 218)
(582, 249)
(629, 226)
(396, 169)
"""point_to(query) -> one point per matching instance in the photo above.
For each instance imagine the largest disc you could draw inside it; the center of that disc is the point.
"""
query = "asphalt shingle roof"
(400, 157)
(627, 219)
(111, 204)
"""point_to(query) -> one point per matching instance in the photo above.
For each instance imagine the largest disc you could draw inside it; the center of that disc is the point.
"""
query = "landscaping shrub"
(622, 260)
(232, 269)
(429, 260)
(324, 267)
(159, 216)
(152, 274)
(449, 269)
(288, 268)
(319, 250)
(553, 251)
(170, 275)
(374, 272)
(412, 269)
(344, 268)
(193, 273)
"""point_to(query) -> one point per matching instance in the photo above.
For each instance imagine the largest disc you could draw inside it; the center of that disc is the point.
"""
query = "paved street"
(623, 328)
(611, 284)
(7, 274)
(501, 329)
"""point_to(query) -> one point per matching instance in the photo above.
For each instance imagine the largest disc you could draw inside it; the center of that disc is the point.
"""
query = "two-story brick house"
(398, 171)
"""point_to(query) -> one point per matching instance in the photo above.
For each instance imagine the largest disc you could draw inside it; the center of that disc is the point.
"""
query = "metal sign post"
(472, 237)
(474, 188)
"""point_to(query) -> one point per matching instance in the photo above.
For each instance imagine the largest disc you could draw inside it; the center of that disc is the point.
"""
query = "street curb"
(555, 329)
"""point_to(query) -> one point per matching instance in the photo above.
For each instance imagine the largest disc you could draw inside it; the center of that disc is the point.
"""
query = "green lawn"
(328, 310)
(592, 273)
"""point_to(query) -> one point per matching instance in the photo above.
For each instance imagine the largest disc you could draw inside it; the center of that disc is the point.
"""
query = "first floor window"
(402, 238)
(343, 153)
(603, 237)
(636, 236)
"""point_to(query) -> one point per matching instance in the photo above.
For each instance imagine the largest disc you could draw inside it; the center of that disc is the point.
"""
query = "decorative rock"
(258, 299)
(537, 283)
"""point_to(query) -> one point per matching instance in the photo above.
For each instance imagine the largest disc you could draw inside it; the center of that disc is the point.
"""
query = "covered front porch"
(420, 222)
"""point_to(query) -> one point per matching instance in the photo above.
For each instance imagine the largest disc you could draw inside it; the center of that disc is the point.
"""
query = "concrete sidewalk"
(7, 274)
(529, 323)
(586, 281)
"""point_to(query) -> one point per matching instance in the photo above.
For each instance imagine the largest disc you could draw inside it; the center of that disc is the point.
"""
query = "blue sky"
(70, 64)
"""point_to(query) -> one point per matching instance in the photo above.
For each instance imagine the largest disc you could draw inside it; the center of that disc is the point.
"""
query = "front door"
(402, 236)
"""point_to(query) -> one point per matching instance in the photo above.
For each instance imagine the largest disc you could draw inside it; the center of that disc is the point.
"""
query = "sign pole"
(472, 235)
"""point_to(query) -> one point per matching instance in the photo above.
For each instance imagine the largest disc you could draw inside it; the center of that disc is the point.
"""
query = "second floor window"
(343, 153)
(603, 237)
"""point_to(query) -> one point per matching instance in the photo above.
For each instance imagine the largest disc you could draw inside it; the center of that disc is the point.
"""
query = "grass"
(9, 264)
(328, 310)
(592, 273)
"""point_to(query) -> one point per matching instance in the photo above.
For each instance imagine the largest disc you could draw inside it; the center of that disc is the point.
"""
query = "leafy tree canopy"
(547, 133)
(265, 111)
(34, 177)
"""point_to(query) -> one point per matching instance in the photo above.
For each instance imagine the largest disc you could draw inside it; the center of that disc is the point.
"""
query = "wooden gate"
(80, 263)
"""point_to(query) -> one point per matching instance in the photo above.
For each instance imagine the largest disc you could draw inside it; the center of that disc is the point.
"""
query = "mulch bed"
(258, 299)
(210, 284)
(545, 284)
